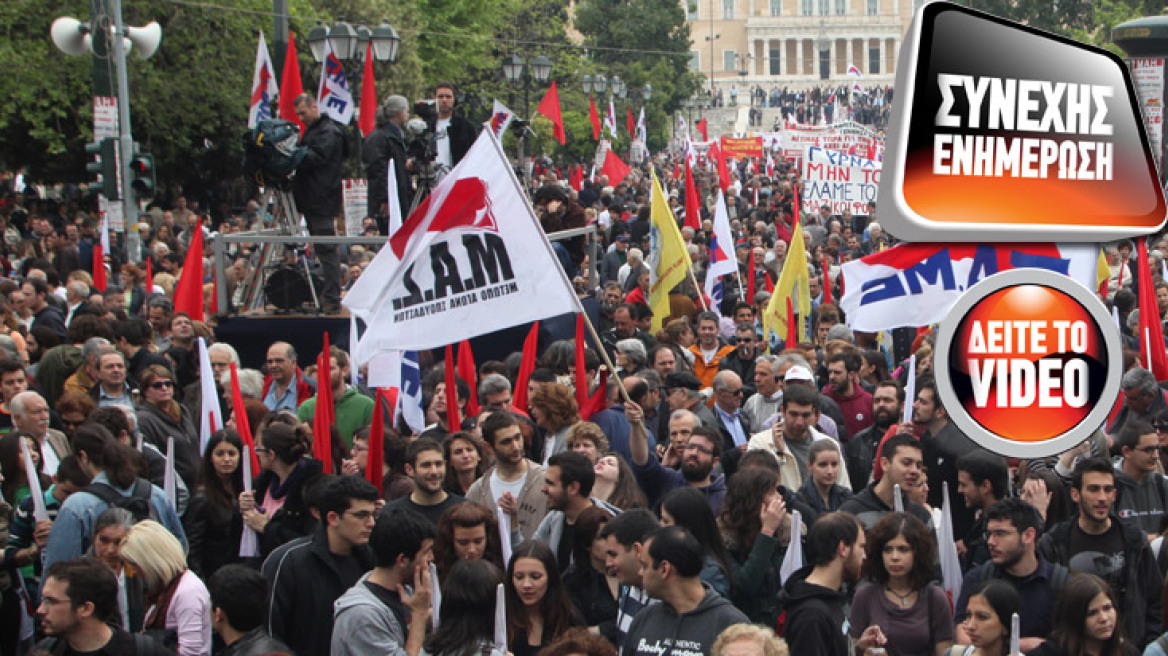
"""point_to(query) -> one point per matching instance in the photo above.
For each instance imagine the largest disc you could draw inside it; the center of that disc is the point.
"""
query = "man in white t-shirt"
(454, 134)
(514, 483)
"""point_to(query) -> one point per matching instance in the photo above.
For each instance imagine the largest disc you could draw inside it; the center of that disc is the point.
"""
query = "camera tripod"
(278, 279)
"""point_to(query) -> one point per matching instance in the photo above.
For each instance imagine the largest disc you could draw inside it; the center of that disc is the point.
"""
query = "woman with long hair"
(466, 531)
(467, 612)
(689, 508)
(180, 611)
(1086, 622)
(538, 608)
(213, 522)
(897, 596)
(466, 462)
(678, 334)
(616, 484)
(988, 615)
(15, 484)
(593, 592)
(755, 527)
(277, 509)
(554, 410)
(161, 417)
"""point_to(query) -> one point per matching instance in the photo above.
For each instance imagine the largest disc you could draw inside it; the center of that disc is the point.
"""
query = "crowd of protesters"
(657, 523)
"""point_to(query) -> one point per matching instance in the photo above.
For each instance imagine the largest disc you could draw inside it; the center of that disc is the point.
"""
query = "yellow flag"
(794, 282)
(1102, 271)
(667, 259)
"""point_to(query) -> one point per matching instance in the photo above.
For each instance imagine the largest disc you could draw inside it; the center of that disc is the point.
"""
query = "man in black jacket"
(1097, 542)
(308, 574)
(239, 604)
(317, 190)
(384, 144)
(455, 134)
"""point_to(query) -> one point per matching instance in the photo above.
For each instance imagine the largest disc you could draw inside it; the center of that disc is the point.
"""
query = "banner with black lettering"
(470, 260)
(916, 284)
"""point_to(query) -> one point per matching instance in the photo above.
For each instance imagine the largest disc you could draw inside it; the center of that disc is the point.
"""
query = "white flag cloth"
(505, 534)
(249, 546)
(395, 213)
(435, 595)
(721, 248)
(39, 511)
(910, 388)
(471, 260)
(793, 560)
(264, 87)
(897, 498)
(333, 95)
(395, 369)
(210, 417)
(169, 478)
(682, 127)
(610, 119)
(501, 118)
(947, 547)
(500, 619)
(354, 335)
(854, 71)
(642, 131)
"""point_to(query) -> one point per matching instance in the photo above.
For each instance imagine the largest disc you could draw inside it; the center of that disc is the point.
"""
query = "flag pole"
(697, 289)
(604, 356)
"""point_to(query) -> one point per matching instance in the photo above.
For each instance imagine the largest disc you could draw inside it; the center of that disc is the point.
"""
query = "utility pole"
(280, 39)
(126, 139)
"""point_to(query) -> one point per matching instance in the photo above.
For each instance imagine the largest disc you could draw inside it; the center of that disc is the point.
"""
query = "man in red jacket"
(843, 374)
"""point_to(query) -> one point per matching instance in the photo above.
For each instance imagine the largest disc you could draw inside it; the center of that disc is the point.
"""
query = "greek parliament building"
(795, 43)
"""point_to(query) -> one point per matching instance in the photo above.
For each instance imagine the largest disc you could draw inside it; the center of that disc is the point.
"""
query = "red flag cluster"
(188, 293)
(324, 417)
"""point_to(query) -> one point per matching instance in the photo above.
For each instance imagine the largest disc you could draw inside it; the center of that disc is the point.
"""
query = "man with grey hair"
(728, 391)
(76, 293)
(30, 414)
(764, 403)
(111, 387)
(840, 331)
(630, 356)
(1143, 399)
(384, 145)
(158, 312)
(495, 392)
(85, 377)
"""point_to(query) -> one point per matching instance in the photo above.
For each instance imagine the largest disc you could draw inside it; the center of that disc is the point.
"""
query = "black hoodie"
(814, 623)
(659, 631)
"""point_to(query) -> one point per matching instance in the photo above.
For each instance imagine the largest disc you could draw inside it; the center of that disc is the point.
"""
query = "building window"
(776, 7)
(691, 10)
(728, 59)
(874, 61)
(841, 7)
(807, 7)
(873, 7)
(727, 9)
(695, 60)
(775, 62)
(823, 7)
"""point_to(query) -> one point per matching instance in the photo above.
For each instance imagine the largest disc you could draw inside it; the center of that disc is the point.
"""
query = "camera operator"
(455, 134)
(317, 190)
(387, 143)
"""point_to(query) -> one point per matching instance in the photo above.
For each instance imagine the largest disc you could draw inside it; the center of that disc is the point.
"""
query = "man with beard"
(791, 437)
(843, 374)
(515, 483)
(426, 465)
(567, 484)
(557, 211)
(813, 598)
(860, 451)
(983, 479)
(698, 457)
(1012, 527)
(624, 326)
(353, 410)
(943, 443)
(609, 300)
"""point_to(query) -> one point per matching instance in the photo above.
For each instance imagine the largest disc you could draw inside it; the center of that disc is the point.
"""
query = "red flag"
(599, 399)
(1151, 335)
(322, 418)
(149, 275)
(367, 119)
(594, 118)
(550, 107)
(751, 275)
(214, 309)
(100, 250)
(577, 177)
(290, 84)
(581, 371)
(693, 202)
(614, 168)
(466, 371)
(826, 282)
(701, 126)
(792, 329)
(770, 284)
(239, 411)
(376, 454)
(530, 345)
(723, 169)
(453, 422)
(188, 293)
(631, 123)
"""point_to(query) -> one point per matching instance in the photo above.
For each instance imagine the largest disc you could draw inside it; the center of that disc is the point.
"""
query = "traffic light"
(142, 175)
(106, 166)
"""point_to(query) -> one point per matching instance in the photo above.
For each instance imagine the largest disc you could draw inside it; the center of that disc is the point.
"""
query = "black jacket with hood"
(814, 623)
(658, 630)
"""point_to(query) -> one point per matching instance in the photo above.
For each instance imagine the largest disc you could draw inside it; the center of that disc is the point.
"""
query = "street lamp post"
(646, 93)
(516, 70)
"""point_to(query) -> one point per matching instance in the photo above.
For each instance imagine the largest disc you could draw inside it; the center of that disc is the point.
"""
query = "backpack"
(144, 645)
(137, 504)
(1058, 577)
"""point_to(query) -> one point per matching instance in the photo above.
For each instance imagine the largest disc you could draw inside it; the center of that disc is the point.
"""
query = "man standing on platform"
(317, 191)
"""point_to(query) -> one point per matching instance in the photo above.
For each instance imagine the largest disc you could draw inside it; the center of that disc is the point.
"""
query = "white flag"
(501, 118)
(395, 212)
(264, 87)
(642, 131)
(793, 559)
(610, 119)
(401, 370)
(333, 95)
(947, 545)
(471, 260)
(721, 261)
(210, 416)
(169, 477)
(682, 127)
